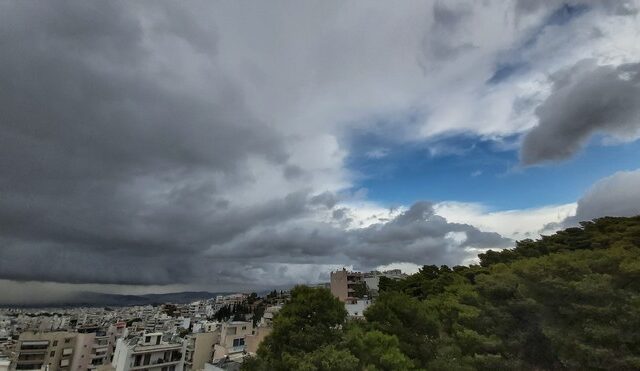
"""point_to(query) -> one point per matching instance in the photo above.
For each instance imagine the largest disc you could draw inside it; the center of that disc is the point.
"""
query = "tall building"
(148, 352)
(343, 284)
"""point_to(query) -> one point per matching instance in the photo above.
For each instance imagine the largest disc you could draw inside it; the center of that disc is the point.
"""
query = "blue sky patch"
(472, 169)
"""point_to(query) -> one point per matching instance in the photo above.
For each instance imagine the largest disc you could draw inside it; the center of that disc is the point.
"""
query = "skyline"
(156, 147)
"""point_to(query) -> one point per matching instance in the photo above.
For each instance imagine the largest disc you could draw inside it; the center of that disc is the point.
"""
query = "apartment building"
(264, 328)
(148, 352)
(232, 340)
(343, 284)
(199, 349)
(65, 351)
(372, 279)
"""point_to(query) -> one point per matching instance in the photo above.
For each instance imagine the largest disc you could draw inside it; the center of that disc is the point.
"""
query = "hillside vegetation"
(570, 301)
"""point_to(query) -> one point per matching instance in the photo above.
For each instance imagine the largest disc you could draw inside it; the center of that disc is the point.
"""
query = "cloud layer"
(208, 144)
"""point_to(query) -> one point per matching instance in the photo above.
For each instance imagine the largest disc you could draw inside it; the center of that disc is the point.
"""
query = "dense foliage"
(570, 301)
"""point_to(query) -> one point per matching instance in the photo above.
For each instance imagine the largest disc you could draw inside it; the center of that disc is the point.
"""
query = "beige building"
(264, 328)
(199, 349)
(52, 350)
(343, 283)
(232, 340)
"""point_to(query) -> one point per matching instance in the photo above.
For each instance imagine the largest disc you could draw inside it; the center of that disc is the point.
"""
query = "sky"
(160, 146)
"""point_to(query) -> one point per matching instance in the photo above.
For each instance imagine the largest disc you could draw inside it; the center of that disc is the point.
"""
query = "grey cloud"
(448, 20)
(327, 199)
(123, 136)
(623, 7)
(292, 172)
(417, 235)
(616, 195)
(586, 100)
(112, 156)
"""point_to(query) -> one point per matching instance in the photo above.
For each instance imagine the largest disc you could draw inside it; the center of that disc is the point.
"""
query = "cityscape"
(211, 334)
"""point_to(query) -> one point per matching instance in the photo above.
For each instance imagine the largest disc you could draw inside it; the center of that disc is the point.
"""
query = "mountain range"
(96, 299)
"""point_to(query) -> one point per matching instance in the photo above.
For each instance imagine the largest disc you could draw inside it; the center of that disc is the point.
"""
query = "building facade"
(148, 352)
(232, 340)
(343, 284)
(58, 350)
(199, 349)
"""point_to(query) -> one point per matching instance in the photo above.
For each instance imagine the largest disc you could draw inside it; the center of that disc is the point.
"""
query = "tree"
(311, 320)
(170, 309)
(376, 350)
(252, 298)
(360, 290)
(409, 320)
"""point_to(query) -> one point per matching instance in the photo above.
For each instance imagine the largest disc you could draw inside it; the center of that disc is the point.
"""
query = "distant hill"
(97, 299)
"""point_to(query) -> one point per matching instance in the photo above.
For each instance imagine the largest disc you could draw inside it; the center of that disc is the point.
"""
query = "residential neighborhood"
(211, 334)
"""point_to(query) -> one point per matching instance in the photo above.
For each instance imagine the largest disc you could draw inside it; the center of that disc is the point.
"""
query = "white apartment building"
(148, 352)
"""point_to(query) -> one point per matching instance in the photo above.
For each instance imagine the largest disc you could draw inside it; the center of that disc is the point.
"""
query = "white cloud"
(515, 224)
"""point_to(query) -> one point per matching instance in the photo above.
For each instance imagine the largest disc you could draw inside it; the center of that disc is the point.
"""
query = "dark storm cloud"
(586, 99)
(124, 150)
(111, 157)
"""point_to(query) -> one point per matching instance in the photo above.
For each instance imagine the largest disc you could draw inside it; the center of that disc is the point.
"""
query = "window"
(55, 343)
(147, 359)
(52, 354)
(147, 339)
(244, 327)
(238, 342)
(67, 340)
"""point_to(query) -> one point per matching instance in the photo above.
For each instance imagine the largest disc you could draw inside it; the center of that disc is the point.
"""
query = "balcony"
(33, 351)
(158, 363)
(29, 361)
